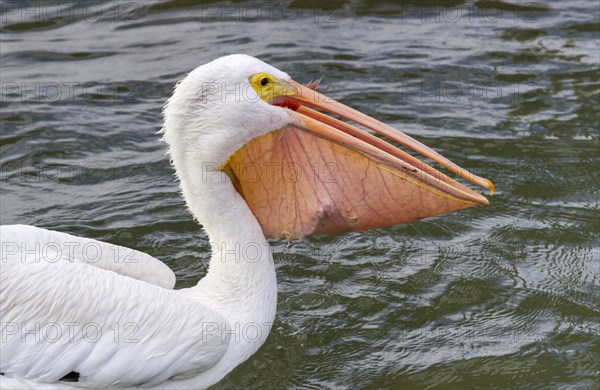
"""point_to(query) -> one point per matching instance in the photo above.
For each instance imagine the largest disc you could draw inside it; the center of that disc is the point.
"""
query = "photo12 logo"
(428, 11)
(53, 12)
(68, 332)
(90, 252)
(267, 11)
(50, 92)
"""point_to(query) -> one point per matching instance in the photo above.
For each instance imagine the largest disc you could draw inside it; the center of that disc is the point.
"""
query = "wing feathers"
(26, 243)
(113, 330)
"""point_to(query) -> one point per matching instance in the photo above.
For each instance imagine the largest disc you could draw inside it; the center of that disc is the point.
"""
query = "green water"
(505, 296)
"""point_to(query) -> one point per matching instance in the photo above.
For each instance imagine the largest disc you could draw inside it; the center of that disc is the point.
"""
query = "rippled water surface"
(504, 296)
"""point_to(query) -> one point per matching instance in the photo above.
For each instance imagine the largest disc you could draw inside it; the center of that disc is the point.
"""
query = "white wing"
(60, 316)
(24, 242)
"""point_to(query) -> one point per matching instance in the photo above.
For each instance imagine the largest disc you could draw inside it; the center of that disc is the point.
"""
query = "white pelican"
(253, 160)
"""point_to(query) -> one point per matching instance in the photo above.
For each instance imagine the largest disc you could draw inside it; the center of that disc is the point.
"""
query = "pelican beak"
(322, 175)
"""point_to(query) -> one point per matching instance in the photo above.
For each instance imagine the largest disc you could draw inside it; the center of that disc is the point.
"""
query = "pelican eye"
(266, 86)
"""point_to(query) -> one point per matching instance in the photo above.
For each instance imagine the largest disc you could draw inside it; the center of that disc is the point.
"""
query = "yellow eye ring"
(266, 86)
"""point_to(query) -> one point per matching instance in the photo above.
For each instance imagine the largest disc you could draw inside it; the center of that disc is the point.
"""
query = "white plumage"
(149, 334)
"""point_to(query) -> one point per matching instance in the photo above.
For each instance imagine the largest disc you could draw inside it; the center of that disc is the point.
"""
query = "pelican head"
(300, 170)
(215, 110)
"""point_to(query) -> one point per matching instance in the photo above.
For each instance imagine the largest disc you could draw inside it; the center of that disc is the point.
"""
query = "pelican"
(257, 155)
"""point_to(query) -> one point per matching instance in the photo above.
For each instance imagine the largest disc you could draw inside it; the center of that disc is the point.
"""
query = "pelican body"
(68, 322)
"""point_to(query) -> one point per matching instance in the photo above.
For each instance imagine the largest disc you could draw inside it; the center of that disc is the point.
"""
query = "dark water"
(502, 296)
